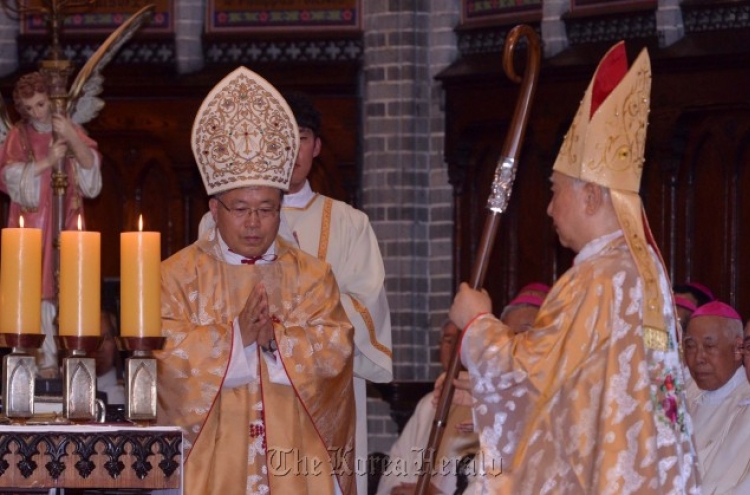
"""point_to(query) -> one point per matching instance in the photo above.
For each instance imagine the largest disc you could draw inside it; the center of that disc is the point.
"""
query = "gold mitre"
(605, 145)
(244, 135)
(606, 141)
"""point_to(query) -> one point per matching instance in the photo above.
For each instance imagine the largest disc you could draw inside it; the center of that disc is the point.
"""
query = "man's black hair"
(304, 111)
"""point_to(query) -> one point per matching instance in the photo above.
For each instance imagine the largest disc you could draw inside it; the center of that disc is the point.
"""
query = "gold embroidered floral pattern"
(244, 134)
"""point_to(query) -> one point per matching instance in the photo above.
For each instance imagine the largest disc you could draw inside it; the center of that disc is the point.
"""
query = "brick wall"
(404, 177)
(381, 429)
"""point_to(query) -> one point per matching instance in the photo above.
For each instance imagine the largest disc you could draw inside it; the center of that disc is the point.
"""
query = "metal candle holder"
(141, 393)
(19, 370)
(79, 378)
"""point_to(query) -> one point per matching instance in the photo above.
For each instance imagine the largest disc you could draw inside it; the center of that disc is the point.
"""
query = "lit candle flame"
(79, 221)
(20, 221)
(140, 223)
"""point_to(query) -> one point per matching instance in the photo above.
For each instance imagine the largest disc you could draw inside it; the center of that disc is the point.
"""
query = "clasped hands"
(256, 325)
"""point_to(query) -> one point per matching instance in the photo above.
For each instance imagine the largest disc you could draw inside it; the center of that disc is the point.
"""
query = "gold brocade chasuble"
(578, 404)
(262, 437)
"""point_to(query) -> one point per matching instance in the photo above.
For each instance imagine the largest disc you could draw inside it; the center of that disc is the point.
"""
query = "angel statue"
(27, 159)
(34, 147)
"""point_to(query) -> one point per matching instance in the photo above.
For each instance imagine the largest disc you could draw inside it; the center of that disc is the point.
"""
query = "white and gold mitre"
(244, 135)
(605, 143)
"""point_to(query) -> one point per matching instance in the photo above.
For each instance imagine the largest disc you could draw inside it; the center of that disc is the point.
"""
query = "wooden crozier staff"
(497, 204)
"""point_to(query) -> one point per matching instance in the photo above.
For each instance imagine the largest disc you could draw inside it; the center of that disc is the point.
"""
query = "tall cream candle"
(21, 280)
(80, 283)
(140, 283)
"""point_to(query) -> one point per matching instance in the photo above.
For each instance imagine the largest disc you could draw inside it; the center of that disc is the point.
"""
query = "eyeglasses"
(263, 213)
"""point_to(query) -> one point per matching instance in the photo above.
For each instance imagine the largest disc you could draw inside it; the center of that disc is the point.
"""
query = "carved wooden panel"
(90, 457)
(147, 170)
(704, 225)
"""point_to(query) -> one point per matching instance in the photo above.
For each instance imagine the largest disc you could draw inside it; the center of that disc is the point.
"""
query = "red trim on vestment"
(263, 416)
(463, 332)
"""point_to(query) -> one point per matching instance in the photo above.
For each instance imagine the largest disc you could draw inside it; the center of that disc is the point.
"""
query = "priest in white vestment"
(406, 454)
(743, 486)
(721, 407)
(335, 232)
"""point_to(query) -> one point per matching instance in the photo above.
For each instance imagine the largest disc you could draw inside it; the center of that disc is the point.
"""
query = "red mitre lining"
(612, 70)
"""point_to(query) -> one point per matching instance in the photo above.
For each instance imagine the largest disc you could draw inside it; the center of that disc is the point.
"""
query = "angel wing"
(83, 101)
(89, 104)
